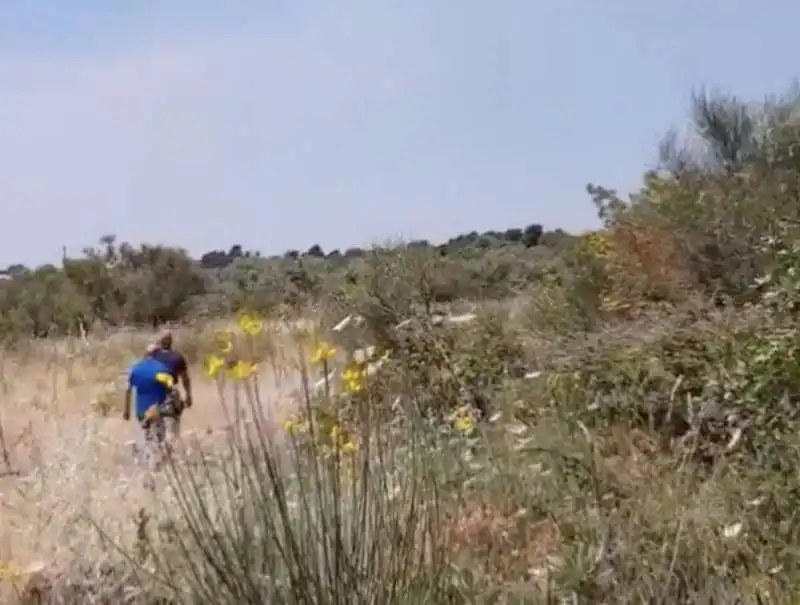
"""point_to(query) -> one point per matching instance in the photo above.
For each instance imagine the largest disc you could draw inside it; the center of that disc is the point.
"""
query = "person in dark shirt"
(176, 364)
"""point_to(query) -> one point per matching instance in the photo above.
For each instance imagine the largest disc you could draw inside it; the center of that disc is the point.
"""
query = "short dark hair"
(165, 341)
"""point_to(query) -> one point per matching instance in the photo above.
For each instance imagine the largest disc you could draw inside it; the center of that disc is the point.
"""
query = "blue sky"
(280, 124)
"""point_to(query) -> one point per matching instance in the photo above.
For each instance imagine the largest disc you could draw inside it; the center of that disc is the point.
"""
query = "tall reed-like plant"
(307, 512)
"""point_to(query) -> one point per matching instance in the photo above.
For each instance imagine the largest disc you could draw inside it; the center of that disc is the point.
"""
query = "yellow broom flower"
(250, 324)
(214, 364)
(462, 420)
(464, 424)
(353, 379)
(324, 352)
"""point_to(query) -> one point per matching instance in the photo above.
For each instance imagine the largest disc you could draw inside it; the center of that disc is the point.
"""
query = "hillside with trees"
(114, 283)
(695, 227)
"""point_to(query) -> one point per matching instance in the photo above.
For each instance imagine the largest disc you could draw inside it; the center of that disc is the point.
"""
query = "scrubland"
(603, 418)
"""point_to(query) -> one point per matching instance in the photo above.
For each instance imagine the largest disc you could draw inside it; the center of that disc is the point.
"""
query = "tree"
(315, 251)
(532, 235)
(354, 253)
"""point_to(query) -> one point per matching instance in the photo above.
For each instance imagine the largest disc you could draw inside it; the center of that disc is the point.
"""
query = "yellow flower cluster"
(354, 377)
(220, 365)
(217, 367)
(250, 325)
(462, 420)
(341, 441)
(323, 353)
(597, 244)
(333, 436)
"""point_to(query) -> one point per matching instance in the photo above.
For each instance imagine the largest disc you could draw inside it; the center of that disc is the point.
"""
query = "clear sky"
(278, 124)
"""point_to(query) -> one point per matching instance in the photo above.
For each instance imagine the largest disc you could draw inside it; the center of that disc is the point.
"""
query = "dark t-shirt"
(174, 361)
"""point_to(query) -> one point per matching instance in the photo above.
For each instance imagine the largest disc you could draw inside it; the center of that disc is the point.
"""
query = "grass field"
(397, 492)
(70, 464)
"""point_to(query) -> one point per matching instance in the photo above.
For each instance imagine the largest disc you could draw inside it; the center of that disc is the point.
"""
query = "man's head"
(165, 341)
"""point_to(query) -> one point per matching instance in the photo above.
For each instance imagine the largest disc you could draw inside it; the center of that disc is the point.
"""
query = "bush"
(119, 284)
(614, 420)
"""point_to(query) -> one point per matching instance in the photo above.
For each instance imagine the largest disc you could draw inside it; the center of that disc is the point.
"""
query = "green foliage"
(113, 285)
(125, 285)
(652, 455)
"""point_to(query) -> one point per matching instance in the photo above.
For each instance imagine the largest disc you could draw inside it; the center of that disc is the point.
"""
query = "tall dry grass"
(477, 462)
(248, 511)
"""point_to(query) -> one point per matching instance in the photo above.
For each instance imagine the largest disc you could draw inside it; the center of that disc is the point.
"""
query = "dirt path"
(75, 466)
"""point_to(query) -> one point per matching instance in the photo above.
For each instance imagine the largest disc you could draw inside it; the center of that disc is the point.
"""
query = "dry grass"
(69, 466)
(547, 499)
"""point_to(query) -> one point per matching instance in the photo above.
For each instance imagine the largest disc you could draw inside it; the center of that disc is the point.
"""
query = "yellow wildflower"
(293, 426)
(353, 386)
(250, 324)
(462, 420)
(353, 377)
(464, 424)
(324, 352)
(214, 365)
(241, 370)
(340, 440)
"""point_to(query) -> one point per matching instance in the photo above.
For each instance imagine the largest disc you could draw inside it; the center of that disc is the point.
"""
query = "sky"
(278, 124)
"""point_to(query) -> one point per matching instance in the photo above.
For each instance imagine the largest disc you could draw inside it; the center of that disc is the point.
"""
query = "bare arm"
(126, 414)
(187, 384)
(186, 381)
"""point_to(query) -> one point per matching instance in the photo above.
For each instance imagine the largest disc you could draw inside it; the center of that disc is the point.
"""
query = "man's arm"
(186, 381)
(126, 414)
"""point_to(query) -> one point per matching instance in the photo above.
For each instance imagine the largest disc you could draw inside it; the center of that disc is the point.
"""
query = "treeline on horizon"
(116, 284)
(530, 236)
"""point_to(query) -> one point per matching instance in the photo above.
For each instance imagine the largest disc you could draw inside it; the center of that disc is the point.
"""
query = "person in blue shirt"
(152, 382)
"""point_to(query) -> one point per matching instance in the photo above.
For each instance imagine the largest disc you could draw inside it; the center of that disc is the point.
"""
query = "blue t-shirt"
(142, 378)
